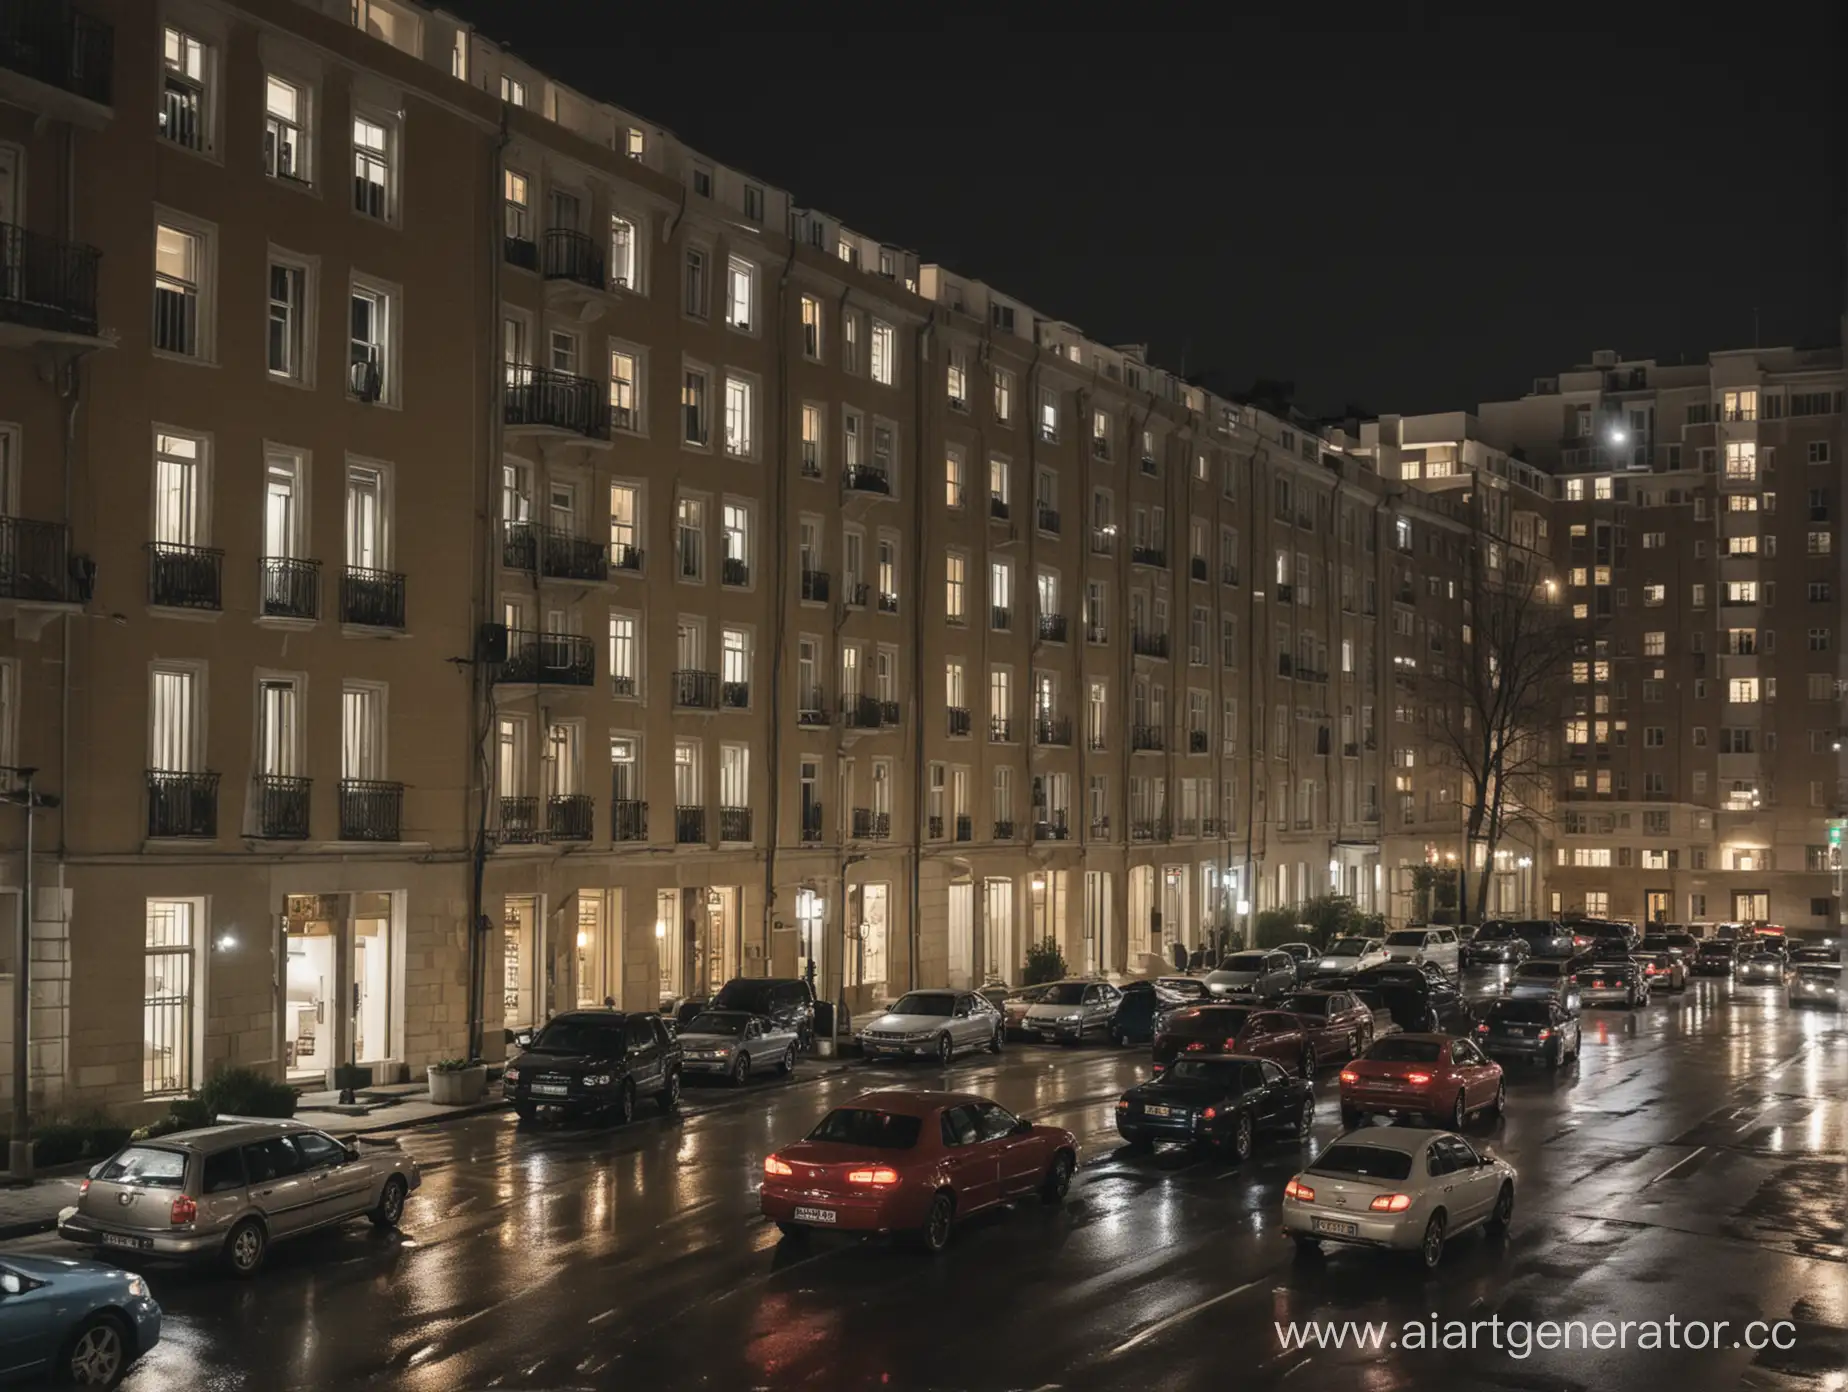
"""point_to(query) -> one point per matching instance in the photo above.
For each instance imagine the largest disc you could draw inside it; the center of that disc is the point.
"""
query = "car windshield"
(1182, 985)
(1766, 957)
(719, 1022)
(1716, 949)
(1822, 971)
(1492, 931)
(1397, 1049)
(752, 997)
(1243, 962)
(1027, 993)
(1405, 939)
(1064, 993)
(862, 1126)
(1214, 1023)
(1346, 947)
(925, 1003)
(149, 1167)
(1220, 1072)
(1528, 1012)
(1307, 1005)
(1364, 1161)
(598, 1038)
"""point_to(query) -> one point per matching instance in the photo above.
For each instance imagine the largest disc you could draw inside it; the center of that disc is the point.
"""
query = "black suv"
(596, 1063)
(784, 1000)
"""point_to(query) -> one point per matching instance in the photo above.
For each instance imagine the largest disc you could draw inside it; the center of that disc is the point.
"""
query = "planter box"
(459, 1088)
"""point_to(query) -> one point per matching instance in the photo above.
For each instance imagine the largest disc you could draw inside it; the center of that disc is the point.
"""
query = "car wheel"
(1351, 1118)
(97, 1354)
(1366, 1037)
(391, 1203)
(245, 1248)
(1241, 1138)
(1500, 1104)
(1308, 1062)
(669, 1095)
(1305, 1121)
(1118, 1039)
(741, 1069)
(1503, 1212)
(1459, 1112)
(794, 1232)
(998, 1040)
(1353, 1043)
(945, 1049)
(1058, 1180)
(1431, 1249)
(625, 1103)
(934, 1236)
(787, 1064)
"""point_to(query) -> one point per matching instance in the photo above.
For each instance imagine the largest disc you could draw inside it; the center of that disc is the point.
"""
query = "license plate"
(1159, 1111)
(814, 1215)
(138, 1244)
(1334, 1227)
(550, 1089)
(1042, 1034)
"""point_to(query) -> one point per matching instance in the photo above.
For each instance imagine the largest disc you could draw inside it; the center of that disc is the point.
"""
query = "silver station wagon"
(226, 1192)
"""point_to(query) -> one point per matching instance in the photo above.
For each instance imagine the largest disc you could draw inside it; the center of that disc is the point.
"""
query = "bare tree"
(1493, 705)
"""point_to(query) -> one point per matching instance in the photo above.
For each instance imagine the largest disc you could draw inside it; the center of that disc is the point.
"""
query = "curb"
(30, 1227)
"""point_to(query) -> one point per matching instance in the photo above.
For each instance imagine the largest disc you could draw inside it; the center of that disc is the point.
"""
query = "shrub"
(65, 1140)
(1045, 962)
(246, 1092)
(1273, 926)
(450, 1065)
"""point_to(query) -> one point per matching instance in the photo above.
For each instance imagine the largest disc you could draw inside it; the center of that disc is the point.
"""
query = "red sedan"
(1337, 1025)
(913, 1162)
(1427, 1075)
(1235, 1029)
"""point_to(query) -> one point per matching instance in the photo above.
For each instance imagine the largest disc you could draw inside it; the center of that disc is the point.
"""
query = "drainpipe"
(1081, 692)
(1248, 888)
(780, 605)
(1032, 579)
(920, 540)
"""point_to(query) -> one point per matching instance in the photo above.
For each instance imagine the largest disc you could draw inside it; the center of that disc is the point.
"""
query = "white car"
(1398, 1188)
(1437, 945)
(933, 1024)
(1346, 955)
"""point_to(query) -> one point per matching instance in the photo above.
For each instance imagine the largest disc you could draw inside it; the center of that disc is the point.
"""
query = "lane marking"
(1684, 1160)
(1178, 1316)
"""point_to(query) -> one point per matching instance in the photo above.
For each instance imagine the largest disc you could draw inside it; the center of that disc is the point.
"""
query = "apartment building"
(1695, 523)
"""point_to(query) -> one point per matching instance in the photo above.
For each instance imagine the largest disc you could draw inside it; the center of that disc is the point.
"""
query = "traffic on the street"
(1235, 1171)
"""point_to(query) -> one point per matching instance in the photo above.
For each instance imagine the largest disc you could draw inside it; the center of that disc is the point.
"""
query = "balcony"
(371, 810)
(1004, 830)
(519, 546)
(1198, 569)
(1100, 828)
(1312, 674)
(869, 825)
(1103, 541)
(1209, 827)
(1148, 829)
(735, 824)
(624, 556)
(888, 602)
(1350, 750)
(1143, 738)
(734, 571)
(1052, 628)
(569, 816)
(815, 586)
(735, 695)
(622, 686)
(1048, 519)
(182, 804)
(540, 399)
(563, 556)
(1000, 619)
(1144, 644)
(866, 478)
(47, 288)
(281, 807)
(862, 712)
(689, 825)
(1198, 742)
(547, 659)
(372, 598)
(185, 577)
(696, 690)
(812, 708)
(572, 256)
(291, 588)
(1149, 556)
(1054, 730)
(57, 61)
(519, 822)
(965, 827)
(37, 567)
(853, 594)
(628, 819)
(520, 251)
(1286, 594)
(959, 724)
(998, 509)
(1053, 827)
(1000, 730)
(1187, 828)
(1096, 742)
(812, 820)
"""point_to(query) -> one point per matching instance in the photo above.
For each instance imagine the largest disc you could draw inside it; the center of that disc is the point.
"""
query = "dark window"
(1250, 1077)
(275, 1159)
(596, 1036)
(959, 1126)
(223, 1171)
(1368, 1161)
(863, 1126)
(1456, 1152)
(1272, 1073)
(995, 1122)
(640, 1031)
(318, 1151)
(1436, 1161)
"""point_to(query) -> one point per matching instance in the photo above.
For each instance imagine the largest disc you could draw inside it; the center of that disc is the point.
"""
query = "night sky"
(1417, 216)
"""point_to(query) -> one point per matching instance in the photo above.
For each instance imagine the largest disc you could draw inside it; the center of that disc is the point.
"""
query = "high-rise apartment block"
(471, 555)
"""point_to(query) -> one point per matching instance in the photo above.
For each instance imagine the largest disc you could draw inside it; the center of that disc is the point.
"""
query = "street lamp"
(19, 1150)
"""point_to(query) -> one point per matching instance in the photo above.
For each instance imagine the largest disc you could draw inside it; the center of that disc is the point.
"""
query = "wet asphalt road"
(1693, 1165)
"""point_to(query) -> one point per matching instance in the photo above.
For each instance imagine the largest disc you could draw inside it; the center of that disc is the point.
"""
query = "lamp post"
(19, 1149)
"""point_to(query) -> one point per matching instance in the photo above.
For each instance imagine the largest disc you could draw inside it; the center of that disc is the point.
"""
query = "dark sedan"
(1612, 979)
(1496, 944)
(596, 1063)
(1534, 1031)
(1418, 1000)
(1334, 1023)
(1715, 957)
(1222, 1103)
(1671, 940)
(1232, 1029)
(1546, 938)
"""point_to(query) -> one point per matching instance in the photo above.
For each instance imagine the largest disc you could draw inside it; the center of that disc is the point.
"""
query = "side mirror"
(1022, 1126)
(96, 1170)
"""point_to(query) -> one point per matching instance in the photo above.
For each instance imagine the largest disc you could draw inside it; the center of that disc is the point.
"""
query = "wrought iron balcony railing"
(182, 804)
(371, 810)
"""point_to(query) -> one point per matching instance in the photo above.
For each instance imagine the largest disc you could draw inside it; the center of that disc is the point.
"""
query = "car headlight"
(1071, 1017)
(512, 1075)
(138, 1288)
(919, 1034)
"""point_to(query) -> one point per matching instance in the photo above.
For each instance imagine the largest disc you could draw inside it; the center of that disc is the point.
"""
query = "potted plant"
(455, 1082)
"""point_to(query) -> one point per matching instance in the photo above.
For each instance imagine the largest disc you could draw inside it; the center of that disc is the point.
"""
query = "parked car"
(1233, 1029)
(1144, 1004)
(1418, 999)
(1716, 956)
(1399, 1189)
(72, 1323)
(935, 1024)
(913, 1162)
(785, 1001)
(1335, 1024)
(226, 1192)
(728, 1044)
(1759, 965)
(1610, 979)
(1666, 971)
(1815, 983)
(1534, 1031)
(1496, 944)
(1621, 930)
(1220, 1103)
(1429, 1075)
(1670, 939)
(1263, 973)
(1072, 1011)
(1416, 945)
(1016, 1003)
(1345, 955)
(1545, 938)
(1376, 1006)
(1551, 979)
(588, 1064)
(1304, 955)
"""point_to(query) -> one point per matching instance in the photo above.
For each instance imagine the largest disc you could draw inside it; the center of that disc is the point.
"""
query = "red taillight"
(1299, 1191)
(1209, 1113)
(1483, 1028)
(184, 1211)
(1348, 1075)
(1196, 1046)
(1122, 1104)
(881, 1175)
(1544, 1034)
(1649, 969)
(83, 1188)
(1391, 1203)
(1418, 1079)
(775, 1166)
